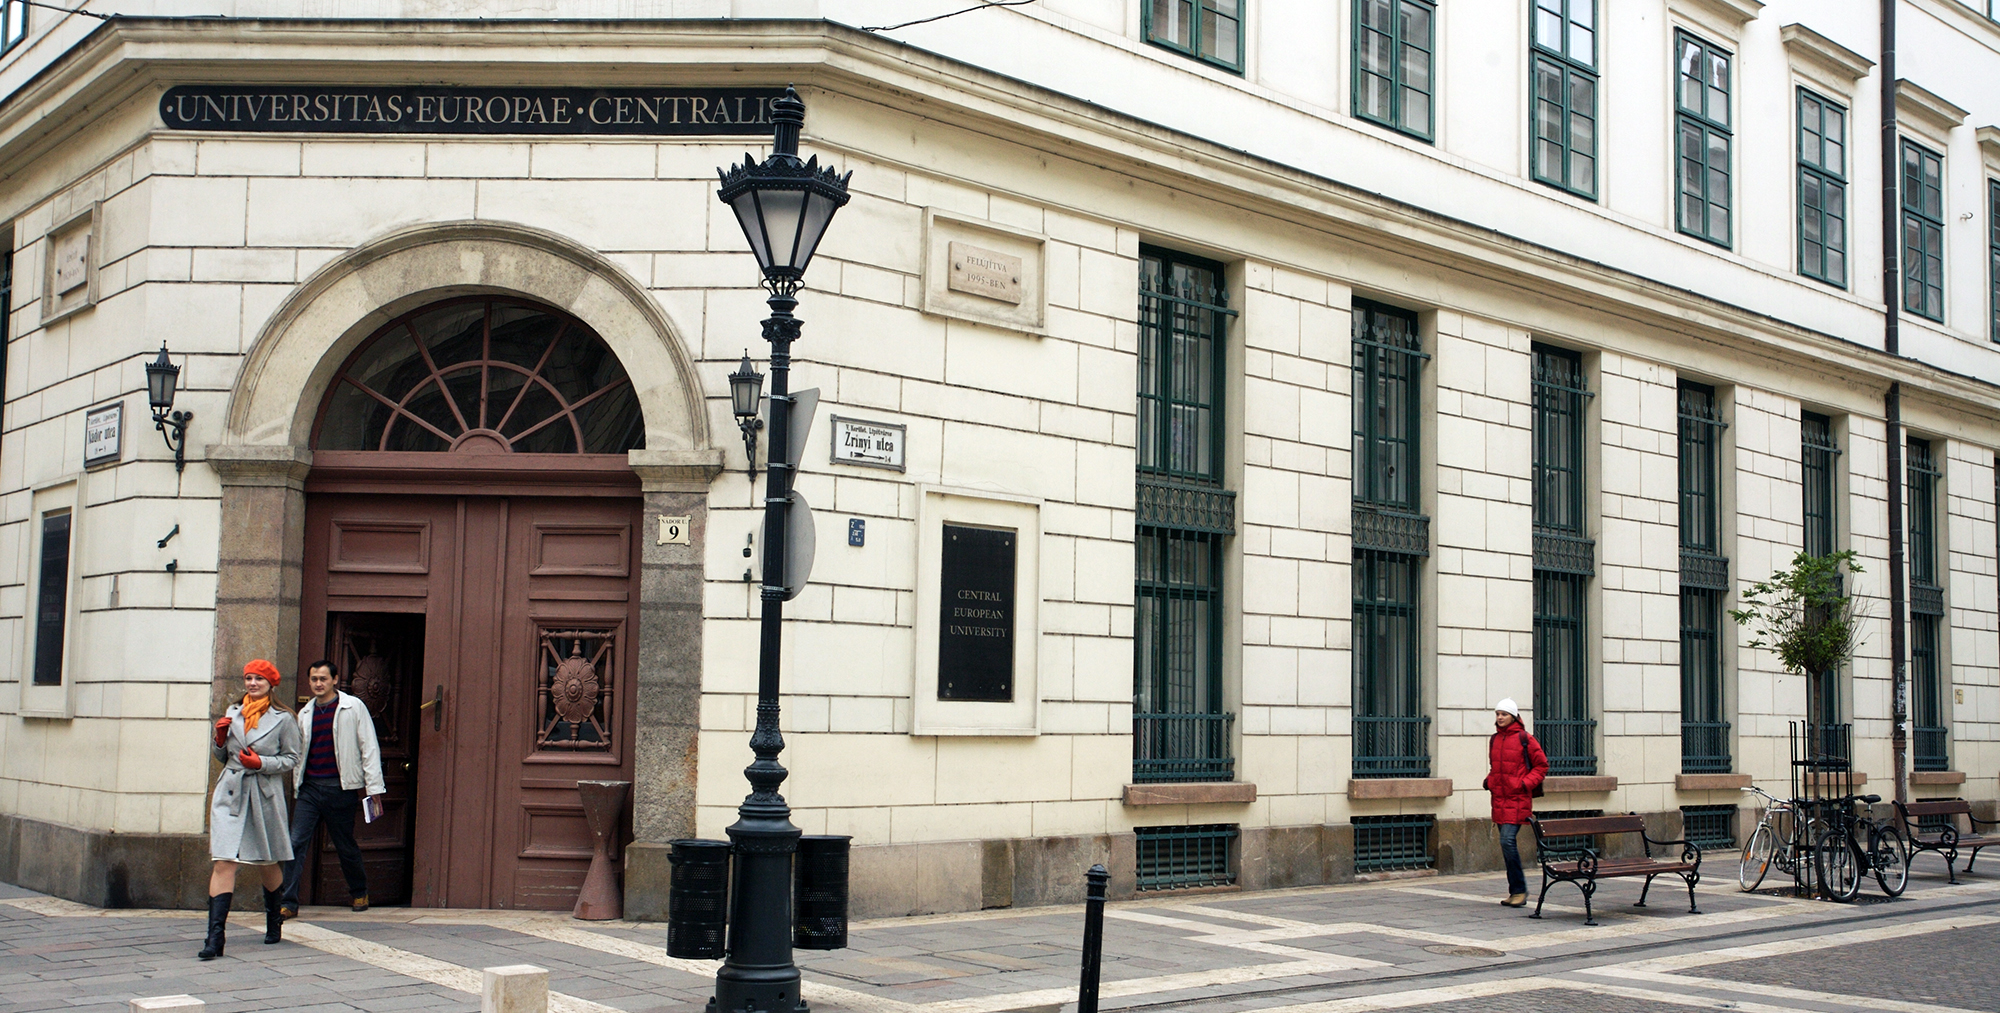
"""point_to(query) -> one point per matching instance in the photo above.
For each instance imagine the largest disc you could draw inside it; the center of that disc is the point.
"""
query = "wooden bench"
(1567, 862)
(1947, 840)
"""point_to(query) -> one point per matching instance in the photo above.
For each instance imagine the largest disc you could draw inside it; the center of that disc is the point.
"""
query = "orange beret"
(263, 668)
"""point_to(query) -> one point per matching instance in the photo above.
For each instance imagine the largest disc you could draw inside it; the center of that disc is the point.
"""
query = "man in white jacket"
(342, 763)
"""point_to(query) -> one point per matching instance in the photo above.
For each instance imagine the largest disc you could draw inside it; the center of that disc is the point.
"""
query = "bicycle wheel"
(1834, 859)
(1799, 856)
(1756, 860)
(1892, 861)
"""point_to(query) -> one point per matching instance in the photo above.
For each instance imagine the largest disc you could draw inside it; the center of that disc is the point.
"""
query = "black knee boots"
(274, 920)
(218, 917)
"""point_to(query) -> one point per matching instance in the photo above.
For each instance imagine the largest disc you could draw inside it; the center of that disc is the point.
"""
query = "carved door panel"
(380, 659)
(571, 613)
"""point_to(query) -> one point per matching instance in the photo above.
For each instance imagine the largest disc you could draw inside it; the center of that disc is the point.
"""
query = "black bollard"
(1093, 938)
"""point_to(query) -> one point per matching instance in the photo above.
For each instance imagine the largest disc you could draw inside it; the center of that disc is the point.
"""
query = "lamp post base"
(758, 976)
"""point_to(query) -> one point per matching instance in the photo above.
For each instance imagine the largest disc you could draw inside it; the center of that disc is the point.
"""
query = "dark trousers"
(322, 799)
(1510, 849)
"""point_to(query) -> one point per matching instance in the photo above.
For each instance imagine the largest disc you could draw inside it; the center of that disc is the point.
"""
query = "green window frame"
(1563, 74)
(13, 24)
(1930, 733)
(1704, 581)
(1923, 482)
(1183, 319)
(1819, 452)
(1703, 136)
(1391, 730)
(1395, 42)
(1180, 731)
(1564, 563)
(1993, 255)
(1208, 30)
(1923, 231)
(1822, 189)
(1388, 356)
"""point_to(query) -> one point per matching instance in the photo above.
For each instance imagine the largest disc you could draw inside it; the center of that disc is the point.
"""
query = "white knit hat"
(1507, 704)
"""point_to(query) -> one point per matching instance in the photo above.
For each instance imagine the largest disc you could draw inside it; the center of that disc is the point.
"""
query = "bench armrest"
(1977, 822)
(1690, 851)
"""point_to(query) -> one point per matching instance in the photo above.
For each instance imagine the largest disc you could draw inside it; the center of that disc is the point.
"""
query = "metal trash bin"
(819, 892)
(697, 899)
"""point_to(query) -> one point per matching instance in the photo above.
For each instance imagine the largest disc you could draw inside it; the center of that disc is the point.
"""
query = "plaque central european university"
(976, 627)
(434, 109)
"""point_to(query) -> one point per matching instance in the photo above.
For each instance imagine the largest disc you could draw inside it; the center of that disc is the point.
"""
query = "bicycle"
(1841, 857)
(1762, 849)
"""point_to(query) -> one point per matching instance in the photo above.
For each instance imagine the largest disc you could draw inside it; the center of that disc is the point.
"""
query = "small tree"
(1804, 613)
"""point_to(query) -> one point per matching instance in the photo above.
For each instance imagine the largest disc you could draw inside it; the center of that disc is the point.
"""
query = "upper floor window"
(1564, 73)
(1923, 231)
(13, 23)
(1208, 30)
(1393, 45)
(1703, 134)
(1822, 189)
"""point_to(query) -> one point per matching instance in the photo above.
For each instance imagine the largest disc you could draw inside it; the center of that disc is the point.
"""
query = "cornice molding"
(1989, 146)
(254, 465)
(1727, 15)
(130, 55)
(1925, 109)
(1806, 45)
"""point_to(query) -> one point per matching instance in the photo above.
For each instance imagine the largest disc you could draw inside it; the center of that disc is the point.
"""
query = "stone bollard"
(184, 1003)
(515, 988)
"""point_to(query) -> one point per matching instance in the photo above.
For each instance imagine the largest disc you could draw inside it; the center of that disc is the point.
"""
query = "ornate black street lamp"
(161, 375)
(746, 395)
(784, 206)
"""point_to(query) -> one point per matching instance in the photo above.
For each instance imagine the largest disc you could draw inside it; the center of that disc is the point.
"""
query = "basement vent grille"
(1171, 858)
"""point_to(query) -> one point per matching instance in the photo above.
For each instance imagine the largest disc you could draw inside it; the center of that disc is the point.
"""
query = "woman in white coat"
(258, 743)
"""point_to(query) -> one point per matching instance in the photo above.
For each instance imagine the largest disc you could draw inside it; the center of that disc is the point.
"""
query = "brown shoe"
(361, 902)
(1516, 900)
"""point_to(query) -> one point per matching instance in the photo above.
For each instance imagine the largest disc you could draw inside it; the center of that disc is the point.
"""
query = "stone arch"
(301, 347)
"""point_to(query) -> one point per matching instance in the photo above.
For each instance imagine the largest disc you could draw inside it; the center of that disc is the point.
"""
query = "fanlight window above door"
(483, 375)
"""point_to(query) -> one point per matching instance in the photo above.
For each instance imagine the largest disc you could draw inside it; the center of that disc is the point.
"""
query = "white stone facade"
(1058, 127)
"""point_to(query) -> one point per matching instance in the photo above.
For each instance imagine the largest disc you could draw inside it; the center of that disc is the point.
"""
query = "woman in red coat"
(1517, 767)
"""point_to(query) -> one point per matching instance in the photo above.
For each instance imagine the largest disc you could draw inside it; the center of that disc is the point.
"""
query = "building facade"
(1281, 383)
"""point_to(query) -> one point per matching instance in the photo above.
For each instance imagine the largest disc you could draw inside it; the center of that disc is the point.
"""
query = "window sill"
(1712, 782)
(1399, 787)
(1191, 793)
(1937, 777)
(1579, 783)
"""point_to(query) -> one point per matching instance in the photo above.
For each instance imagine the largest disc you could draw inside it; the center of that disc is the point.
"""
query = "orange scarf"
(254, 709)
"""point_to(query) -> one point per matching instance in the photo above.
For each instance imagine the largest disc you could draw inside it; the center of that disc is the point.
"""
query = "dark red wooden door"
(525, 682)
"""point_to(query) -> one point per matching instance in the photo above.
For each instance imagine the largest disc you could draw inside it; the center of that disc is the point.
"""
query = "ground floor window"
(1391, 731)
(1562, 699)
(1931, 751)
(1704, 733)
(1180, 731)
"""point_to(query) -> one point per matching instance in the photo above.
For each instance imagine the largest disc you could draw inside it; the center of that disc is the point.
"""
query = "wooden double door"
(493, 639)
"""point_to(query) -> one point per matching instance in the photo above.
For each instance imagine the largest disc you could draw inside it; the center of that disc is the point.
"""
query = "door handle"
(406, 768)
(437, 716)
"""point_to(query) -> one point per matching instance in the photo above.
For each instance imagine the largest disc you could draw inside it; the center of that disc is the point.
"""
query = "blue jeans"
(1510, 849)
(322, 799)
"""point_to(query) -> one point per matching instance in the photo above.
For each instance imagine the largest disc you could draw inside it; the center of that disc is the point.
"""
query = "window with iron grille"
(1571, 842)
(1391, 730)
(1703, 137)
(1822, 189)
(1704, 580)
(1563, 56)
(1564, 563)
(1993, 254)
(1819, 454)
(1709, 827)
(1393, 843)
(13, 23)
(1929, 747)
(1180, 731)
(1170, 858)
(1923, 231)
(1393, 47)
(1208, 30)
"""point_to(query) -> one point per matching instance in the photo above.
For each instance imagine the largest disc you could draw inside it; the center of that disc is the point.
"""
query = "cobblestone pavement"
(1412, 943)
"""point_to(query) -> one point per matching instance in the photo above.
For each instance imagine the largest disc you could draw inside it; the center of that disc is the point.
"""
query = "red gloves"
(250, 759)
(221, 732)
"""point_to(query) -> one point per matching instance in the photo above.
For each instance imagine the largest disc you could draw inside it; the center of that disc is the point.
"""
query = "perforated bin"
(697, 899)
(819, 893)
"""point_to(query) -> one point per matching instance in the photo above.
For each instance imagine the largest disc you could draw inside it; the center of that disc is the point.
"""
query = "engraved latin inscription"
(985, 272)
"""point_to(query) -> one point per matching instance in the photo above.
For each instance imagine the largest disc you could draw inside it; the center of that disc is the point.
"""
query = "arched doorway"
(472, 564)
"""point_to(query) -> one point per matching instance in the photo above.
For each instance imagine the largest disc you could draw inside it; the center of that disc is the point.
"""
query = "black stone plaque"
(437, 109)
(976, 624)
